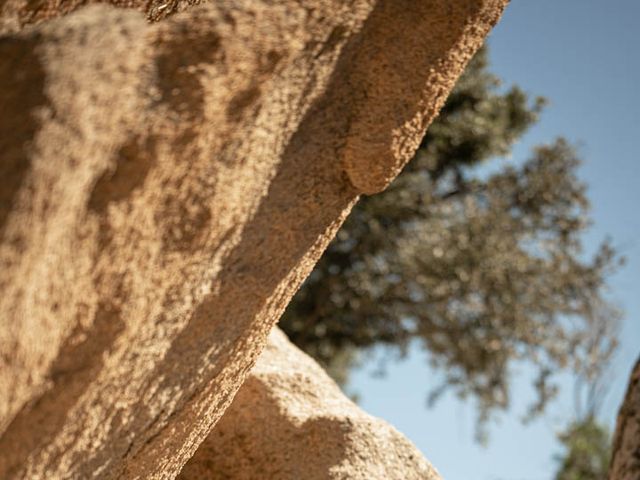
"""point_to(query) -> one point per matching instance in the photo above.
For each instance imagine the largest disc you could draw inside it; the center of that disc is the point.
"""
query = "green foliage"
(482, 269)
(587, 450)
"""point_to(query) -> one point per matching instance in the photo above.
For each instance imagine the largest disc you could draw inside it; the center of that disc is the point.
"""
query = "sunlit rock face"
(289, 420)
(166, 187)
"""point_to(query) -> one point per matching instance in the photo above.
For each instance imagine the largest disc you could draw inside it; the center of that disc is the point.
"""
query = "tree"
(587, 445)
(587, 441)
(483, 269)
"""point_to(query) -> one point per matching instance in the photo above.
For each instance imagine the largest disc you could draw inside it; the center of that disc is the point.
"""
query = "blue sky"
(583, 56)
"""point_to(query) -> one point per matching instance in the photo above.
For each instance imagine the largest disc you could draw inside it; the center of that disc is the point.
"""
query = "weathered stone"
(16, 14)
(166, 188)
(289, 420)
(625, 460)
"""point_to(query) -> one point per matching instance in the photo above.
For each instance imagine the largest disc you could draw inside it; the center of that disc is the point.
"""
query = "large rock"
(290, 421)
(625, 459)
(165, 190)
(16, 14)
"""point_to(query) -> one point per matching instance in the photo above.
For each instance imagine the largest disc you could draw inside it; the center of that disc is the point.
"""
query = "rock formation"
(166, 188)
(625, 460)
(289, 420)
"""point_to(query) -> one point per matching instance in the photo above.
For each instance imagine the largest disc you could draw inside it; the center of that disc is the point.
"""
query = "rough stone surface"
(16, 14)
(289, 420)
(165, 190)
(625, 461)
